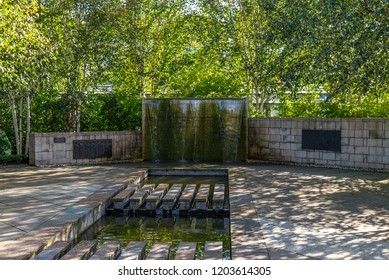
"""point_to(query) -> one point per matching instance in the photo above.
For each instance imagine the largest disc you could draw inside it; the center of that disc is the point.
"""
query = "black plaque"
(328, 140)
(59, 140)
(89, 149)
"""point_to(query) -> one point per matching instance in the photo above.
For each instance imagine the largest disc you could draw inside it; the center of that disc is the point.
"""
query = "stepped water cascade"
(195, 130)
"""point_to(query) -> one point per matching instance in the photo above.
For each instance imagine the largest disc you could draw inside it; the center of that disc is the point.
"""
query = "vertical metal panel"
(328, 140)
(89, 149)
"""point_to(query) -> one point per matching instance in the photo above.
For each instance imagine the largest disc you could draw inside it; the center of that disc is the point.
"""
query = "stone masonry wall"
(57, 148)
(364, 142)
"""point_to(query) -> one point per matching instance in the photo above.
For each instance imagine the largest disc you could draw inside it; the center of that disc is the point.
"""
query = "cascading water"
(199, 130)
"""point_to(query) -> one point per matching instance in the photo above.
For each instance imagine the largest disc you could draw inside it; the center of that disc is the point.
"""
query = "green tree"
(23, 54)
(353, 49)
(345, 54)
(80, 38)
(57, 56)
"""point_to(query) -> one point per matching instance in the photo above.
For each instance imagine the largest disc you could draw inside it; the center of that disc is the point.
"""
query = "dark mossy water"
(174, 230)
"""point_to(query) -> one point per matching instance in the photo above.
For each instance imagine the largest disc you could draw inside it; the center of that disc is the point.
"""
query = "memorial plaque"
(89, 149)
(59, 140)
(327, 140)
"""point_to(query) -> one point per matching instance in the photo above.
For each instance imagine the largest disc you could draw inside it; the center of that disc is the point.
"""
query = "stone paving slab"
(81, 251)
(134, 251)
(159, 251)
(186, 251)
(279, 254)
(187, 198)
(20, 249)
(122, 198)
(170, 199)
(153, 200)
(213, 250)
(73, 213)
(108, 251)
(54, 251)
(8, 233)
(308, 241)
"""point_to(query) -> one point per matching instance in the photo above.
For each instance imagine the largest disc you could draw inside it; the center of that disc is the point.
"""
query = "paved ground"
(321, 213)
(29, 196)
(285, 212)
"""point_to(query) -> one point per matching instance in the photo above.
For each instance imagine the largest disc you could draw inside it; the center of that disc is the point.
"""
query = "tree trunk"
(28, 125)
(257, 101)
(78, 116)
(15, 123)
(262, 106)
(21, 125)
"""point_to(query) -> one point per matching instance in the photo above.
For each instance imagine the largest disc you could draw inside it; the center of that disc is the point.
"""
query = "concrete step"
(155, 197)
(170, 199)
(55, 251)
(218, 197)
(186, 251)
(159, 251)
(137, 199)
(82, 251)
(108, 251)
(213, 250)
(123, 198)
(202, 197)
(135, 250)
(187, 196)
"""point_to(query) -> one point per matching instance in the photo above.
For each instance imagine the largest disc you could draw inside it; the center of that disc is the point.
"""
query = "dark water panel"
(195, 130)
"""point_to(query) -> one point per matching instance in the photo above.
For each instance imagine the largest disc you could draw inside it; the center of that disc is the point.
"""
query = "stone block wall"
(364, 142)
(58, 148)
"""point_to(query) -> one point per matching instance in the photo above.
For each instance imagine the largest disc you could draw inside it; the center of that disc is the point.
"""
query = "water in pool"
(174, 230)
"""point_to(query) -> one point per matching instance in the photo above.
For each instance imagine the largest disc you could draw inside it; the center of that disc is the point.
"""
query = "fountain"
(172, 213)
(169, 208)
(195, 130)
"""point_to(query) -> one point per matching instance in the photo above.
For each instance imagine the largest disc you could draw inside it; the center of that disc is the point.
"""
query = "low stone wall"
(363, 143)
(350, 143)
(61, 148)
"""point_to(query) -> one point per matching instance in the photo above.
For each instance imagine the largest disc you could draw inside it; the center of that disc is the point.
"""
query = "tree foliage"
(81, 65)
(24, 52)
(5, 145)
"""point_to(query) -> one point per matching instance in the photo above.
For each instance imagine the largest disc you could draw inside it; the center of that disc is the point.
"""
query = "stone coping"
(88, 133)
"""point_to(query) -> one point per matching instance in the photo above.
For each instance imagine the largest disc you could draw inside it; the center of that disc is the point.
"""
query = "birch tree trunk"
(28, 125)
(78, 116)
(15, 123)
(21, 125)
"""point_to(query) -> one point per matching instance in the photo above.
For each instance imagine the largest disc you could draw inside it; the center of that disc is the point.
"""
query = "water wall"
(195, 130)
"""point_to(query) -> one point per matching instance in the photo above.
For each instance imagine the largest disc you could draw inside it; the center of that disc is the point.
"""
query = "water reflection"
(165, 229)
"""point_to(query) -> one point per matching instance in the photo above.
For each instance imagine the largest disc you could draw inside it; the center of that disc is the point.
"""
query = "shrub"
(7, 159)
(5, 145)
(305, 106)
